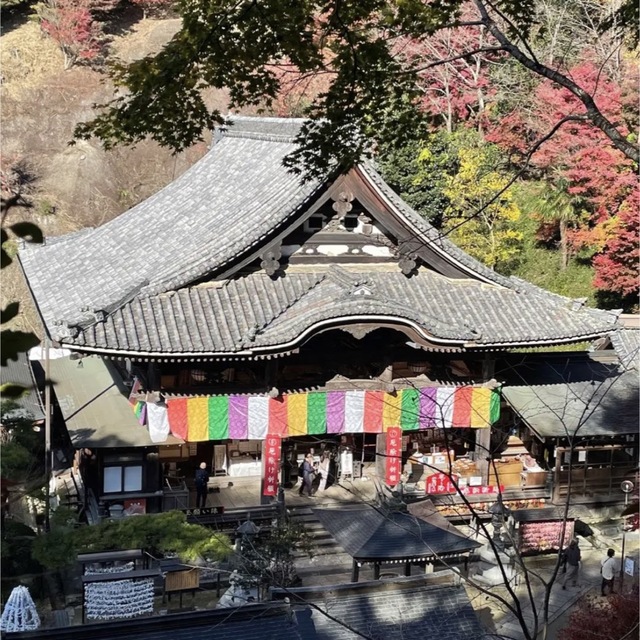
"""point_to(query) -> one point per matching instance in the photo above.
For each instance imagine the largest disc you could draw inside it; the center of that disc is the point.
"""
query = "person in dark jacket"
(202, 481)
(307, 476)
(572, 557)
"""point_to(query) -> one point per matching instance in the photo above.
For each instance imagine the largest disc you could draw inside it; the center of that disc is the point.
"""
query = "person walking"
(307, 476)
(572, 557)
(201, 482)
(608, 571)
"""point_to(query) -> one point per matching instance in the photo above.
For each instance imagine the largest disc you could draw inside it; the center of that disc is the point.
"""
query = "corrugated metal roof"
(93, 401)
(20, 372)
(578, 398)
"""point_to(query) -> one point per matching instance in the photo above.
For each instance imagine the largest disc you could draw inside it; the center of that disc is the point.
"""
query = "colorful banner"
(333, 412)
(393, 466)
(136, 388)
(271, 465)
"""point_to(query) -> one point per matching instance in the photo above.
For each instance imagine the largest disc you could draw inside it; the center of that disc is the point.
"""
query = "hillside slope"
(79, 185)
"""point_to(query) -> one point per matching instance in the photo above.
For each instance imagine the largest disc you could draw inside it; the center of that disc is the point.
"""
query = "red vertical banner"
(394, 456)
(271, 465)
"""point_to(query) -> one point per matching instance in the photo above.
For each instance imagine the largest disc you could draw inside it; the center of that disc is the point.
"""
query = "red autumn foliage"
(457, 90)
(611, 618)
(577, 151)
(71, 25)
(618, 266)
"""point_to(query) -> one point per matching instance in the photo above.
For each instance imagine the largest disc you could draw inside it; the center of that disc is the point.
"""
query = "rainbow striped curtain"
(333, 412)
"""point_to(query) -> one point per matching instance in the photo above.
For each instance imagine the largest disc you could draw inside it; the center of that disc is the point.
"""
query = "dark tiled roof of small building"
(369, 534)
(415, 612)
(626, 343)
(408, 609)
(256, 312)
(578, 397)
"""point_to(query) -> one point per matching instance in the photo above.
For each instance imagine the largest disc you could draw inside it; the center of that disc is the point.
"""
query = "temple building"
(243, 317)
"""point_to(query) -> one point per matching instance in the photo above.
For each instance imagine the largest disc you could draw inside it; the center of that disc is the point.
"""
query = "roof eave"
(285, 348)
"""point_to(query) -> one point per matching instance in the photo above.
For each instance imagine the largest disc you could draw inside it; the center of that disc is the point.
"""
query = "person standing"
(307, 475)
(572, 557)
(323, 470)
(202, 485)
(608, 571)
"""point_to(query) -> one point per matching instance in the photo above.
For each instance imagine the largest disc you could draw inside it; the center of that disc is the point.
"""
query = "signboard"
(440, 484)
(483, 491)
(271, 465)
(204, 511)
(629, 566)
(394, 456)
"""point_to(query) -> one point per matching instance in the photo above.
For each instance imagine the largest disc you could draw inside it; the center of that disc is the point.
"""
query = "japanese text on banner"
(439, 483)
(271, 466)
(394, 456)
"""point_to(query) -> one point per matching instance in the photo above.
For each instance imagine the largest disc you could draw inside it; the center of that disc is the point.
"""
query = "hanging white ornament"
(20, 612)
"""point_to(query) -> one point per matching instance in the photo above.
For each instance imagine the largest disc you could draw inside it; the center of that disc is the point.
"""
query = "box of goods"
(509, 473)
(465, 468)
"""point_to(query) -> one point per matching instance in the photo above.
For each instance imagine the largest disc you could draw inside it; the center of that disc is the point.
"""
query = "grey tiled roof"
(405, 609)
(138, 269)
(435, 238)
(413, 613)
(255, 312)
(366, 533)
(224, 204)
(626, 343)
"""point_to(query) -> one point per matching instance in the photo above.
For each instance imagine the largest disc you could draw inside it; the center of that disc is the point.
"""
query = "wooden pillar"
(376, 570)
(381, 455)
(153, 376)
(355, 571)
(387, 374)
(271, 374)
(407, 568)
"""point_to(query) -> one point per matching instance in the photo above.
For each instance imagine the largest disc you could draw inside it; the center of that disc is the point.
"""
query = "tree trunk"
(53, 581)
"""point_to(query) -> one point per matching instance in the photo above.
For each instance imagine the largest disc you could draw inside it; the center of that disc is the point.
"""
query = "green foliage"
(22, 458)
(269, 559)
(157, 533)
(543, 267)
(372, 86)
(419, 171)
(17, 559)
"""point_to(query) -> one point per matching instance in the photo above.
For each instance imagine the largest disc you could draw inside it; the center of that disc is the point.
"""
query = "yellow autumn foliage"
(482, 215)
